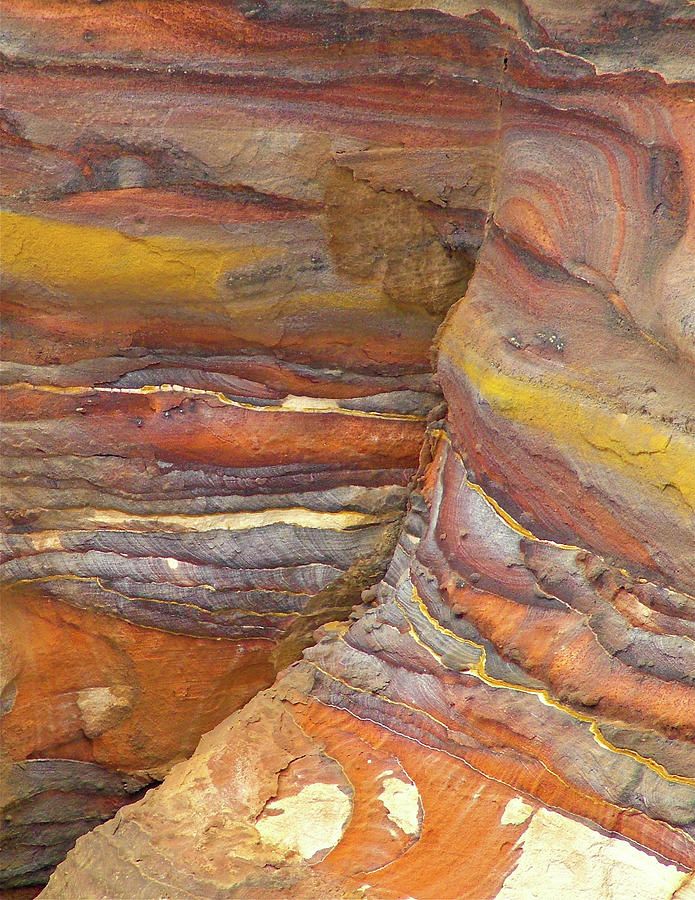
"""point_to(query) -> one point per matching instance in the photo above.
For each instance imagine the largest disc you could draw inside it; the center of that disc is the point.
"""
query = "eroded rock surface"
(234, 233)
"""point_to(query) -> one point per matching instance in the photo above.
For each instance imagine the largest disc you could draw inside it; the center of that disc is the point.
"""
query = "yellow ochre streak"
(106, 264)
(637, 446)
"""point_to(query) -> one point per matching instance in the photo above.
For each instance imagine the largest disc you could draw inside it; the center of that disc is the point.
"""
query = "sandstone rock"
(239, 237)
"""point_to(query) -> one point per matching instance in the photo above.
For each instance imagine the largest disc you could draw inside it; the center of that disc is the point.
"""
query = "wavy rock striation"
(234, 234)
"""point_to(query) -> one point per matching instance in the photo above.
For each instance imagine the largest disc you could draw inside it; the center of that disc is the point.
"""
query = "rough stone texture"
(233, 233)
(47, 803)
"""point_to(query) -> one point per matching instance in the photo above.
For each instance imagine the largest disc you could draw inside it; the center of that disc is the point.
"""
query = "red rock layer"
(290, 208)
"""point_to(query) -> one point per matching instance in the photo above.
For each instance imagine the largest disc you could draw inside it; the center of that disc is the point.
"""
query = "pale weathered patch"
(307, 822)
(516, 812)
(563, 857)
(101, 708)
(402, 802)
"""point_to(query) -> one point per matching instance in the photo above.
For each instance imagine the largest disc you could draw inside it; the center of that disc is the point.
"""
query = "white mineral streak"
(231, 521)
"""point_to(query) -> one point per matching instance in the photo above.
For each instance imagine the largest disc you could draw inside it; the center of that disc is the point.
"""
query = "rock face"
(216, 392)
(237, 237)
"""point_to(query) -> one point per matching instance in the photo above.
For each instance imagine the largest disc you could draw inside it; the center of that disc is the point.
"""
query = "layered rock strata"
(216, 386)
(219, 389)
